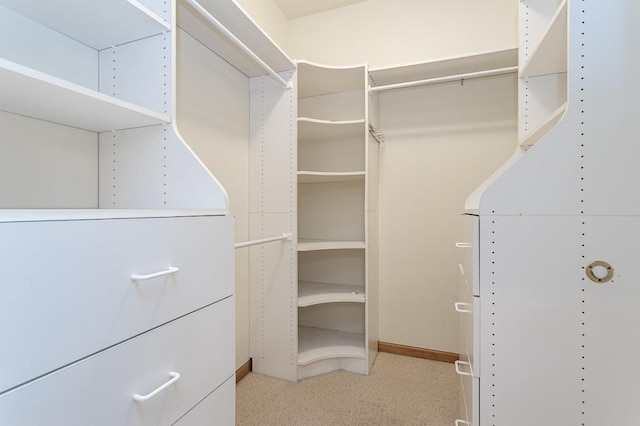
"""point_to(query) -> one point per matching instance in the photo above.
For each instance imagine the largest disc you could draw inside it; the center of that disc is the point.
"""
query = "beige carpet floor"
(399, 391)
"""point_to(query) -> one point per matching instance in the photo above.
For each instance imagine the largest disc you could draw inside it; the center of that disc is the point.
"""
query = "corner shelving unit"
(543, 69)
(334, 176)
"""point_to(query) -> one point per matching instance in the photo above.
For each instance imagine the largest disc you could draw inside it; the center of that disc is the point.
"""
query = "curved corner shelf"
(305, 176)
(550, 55)
(35, 94)
(104, 23)
(315, 344)
(313, 293)
(305, 244)
(534, 136)
(317, 80)
(310, 129)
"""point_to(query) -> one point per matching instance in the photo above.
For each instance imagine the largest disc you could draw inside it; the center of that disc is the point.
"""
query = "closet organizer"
(117, 244)
(316, 296)
(550, 259)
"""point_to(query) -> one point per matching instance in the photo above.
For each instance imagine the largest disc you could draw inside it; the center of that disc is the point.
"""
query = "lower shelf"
(316, 344)
(312, 293)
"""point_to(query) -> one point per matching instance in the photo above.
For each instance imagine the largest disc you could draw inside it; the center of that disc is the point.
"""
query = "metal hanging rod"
(376, 133)
(285, 84)
(445, 79)
(264, 241)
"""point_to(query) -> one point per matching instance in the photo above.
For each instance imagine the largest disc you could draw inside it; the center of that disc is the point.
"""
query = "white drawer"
(217, 409)
(471, 258)
(99, 390)
(468, 308)
(470, 407)
(67, 290)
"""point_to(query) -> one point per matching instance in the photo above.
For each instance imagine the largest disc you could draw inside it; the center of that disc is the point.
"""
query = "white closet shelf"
(315, 344)
(550, 55)
(329, 177)
(44, 215)
(236, 21)
(453, 65)
(314, 293)
(533, 136)
(318, 80)
(35, 94)
(311, 129)
(308, 244)
(98, 24)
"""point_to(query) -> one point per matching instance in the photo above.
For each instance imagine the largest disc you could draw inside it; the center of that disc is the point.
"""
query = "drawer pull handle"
(174, 378)
(170, 270)
(463, 245)
(463, 308)
(459, 371)
(462, 422)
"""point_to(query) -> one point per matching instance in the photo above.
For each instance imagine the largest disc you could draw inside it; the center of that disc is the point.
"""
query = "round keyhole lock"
(599, 272)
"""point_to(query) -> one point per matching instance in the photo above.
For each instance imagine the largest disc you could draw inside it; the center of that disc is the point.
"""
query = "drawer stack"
(468, 308)
(99, 314)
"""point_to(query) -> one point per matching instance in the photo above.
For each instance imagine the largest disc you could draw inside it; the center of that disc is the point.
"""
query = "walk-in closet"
(299, 212)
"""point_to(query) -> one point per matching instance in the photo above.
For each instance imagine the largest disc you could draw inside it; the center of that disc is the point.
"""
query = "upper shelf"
(98, 24)
(318, 80)
(550, 55)
(35, 94)
(310, 129)
(444, 67)
(238, 23)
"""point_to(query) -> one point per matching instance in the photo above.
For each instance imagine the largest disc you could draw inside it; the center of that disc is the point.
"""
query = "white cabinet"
(117, 242)
(563, 205)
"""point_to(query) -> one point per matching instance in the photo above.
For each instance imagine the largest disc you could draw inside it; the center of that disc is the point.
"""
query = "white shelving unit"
(333, 179)
(113, 230)
(550, 215)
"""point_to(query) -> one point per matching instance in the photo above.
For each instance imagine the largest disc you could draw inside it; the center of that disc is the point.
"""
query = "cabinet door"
(100, 389)
(68, 292)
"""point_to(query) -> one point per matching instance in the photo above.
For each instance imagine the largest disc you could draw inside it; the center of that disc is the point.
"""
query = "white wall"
(269, 17)
(441, 142)
(213, 117)
(392, 32)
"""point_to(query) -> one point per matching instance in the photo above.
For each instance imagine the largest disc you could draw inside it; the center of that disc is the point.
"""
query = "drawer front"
(218, 409)
(468, 309)
(471, 257)
(99, 390)
(67, 290)
(470, 407)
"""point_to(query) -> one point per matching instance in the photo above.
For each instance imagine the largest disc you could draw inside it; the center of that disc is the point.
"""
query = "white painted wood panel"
(46, 165)
(38, 47)
(99, 390)
(101, 25)
(76, 277)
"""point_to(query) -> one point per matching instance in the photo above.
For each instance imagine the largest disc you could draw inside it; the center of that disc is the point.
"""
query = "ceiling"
(298, 8)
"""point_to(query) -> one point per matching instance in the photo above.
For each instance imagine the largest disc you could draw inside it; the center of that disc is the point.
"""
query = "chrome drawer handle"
(460, 307)
(459, 371)
(463, 245)
(462, 422)
(170, 270)
(174, 378)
